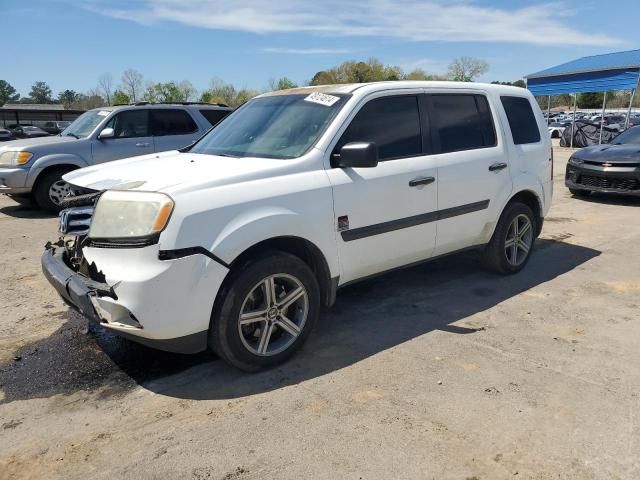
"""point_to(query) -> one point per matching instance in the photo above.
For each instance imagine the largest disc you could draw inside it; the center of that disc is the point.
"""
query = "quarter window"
(171, 122)
(524, 128)
(462, 122)
(393, 123)
(131, 123)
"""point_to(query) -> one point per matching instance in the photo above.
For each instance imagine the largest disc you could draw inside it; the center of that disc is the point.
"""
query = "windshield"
(630, 136)
(85, 124)
(281, 126)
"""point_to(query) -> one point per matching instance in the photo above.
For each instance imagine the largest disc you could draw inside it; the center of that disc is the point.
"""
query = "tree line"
(133, 87)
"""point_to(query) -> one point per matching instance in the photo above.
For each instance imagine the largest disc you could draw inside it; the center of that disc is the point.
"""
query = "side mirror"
(357, 155)
(106, 133)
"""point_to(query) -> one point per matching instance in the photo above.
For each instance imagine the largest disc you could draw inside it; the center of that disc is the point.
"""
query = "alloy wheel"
(273, 314)
(519, 240)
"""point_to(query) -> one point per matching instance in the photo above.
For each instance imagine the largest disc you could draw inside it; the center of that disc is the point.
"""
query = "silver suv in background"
(33, 168)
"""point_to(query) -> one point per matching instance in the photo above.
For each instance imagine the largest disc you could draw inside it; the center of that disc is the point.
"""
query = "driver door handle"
(497, 167)
(421, 181)
(143, 144)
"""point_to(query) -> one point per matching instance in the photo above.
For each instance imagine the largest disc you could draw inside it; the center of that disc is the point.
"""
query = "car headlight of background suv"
(129, 215)
(14, 159)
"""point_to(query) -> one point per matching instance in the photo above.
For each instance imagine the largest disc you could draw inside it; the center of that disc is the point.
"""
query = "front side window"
(462, 122)
(278, 126)
(171, 122)
(522, 121)
(392, 123)
(130, 124)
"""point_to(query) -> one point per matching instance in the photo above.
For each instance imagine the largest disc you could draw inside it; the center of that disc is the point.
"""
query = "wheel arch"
(299, 247)
(50, 163)
(533, 201)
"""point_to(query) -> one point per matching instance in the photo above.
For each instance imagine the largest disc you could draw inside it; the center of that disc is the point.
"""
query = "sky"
(70, 43)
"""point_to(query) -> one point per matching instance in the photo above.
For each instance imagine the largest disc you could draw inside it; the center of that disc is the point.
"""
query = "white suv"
(238, 241)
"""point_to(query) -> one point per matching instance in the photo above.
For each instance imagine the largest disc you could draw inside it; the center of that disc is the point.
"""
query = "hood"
(619, 153)
(30, 143)
(173, 172)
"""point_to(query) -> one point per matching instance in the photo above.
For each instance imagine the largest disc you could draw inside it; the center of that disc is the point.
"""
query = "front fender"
(54, 160)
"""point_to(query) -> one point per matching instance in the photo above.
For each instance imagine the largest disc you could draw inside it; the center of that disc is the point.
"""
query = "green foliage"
(358, 72)
(590, 100)
(225, 93)
(517, 83)
(68, 98)
(169, 92)
(8, 94)
(120, 98)
(40, 93)
(420, 74)
(283, 84)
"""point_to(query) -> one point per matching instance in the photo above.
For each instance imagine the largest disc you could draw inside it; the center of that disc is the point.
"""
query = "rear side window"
(522, 121)
(214, 116)
(171, 122)
(393, 123)
(462, 122)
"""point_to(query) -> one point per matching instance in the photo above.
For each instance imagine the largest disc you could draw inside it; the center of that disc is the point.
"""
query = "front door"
(132, 137)
(385, 215)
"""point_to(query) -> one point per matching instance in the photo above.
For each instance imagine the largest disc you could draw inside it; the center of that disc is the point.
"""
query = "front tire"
(265, 313)
(512, 243)
(50, 189)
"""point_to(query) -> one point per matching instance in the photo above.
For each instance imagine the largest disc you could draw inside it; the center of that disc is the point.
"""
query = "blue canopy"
(597, 73)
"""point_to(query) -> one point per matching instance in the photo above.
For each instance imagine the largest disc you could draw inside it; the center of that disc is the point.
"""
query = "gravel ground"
(439, 371)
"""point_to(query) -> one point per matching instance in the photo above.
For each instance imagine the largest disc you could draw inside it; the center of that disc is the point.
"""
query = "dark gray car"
(34, 167)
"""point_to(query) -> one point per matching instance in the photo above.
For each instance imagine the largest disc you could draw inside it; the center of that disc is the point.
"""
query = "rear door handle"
(142, 144)
(497, 166)
(421, 181)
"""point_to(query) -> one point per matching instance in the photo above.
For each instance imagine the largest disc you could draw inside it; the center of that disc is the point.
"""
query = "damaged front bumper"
(141, 308)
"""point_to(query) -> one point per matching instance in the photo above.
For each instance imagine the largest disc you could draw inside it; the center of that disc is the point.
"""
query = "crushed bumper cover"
(79, 292)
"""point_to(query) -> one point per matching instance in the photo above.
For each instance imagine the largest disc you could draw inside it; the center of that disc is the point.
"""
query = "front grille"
(609, 183)
(75, 221)
(612, 163)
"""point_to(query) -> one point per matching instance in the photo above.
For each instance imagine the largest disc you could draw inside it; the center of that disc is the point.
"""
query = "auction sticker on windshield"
(322, 99)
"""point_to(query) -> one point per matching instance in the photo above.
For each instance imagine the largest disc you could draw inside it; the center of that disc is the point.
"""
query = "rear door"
(132, 137)
(473, 168)
(172, 128)
(385, 214)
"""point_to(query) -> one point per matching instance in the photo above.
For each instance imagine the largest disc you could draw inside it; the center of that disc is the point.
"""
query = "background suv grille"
(609, 183)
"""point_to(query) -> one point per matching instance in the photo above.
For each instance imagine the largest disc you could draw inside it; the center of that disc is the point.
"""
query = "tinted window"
(171, 122)
(393, 123)
(214, 116)
(522, 121)
(462, 122)
(630, 136)
(132, 123)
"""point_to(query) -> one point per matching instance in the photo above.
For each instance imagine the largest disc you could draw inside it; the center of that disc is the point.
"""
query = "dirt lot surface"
(440, 371)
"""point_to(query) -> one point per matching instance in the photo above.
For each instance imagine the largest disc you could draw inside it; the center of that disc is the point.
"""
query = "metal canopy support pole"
(604, 104)
(573, 121)
(548, 110)
(633, 96)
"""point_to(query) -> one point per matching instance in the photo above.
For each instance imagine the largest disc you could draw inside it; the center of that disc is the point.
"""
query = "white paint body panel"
(227, 205)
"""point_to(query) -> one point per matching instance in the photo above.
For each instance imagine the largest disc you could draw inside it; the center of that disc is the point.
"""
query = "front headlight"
(122, 214)
(15, 159)
(576, 161)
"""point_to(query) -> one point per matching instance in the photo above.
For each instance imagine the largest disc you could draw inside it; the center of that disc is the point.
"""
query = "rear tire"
(579, 193)
(253, 329)
(513, 239)
(49, 190)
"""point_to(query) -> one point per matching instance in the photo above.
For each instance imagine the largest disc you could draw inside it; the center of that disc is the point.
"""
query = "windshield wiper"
(69, 134)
